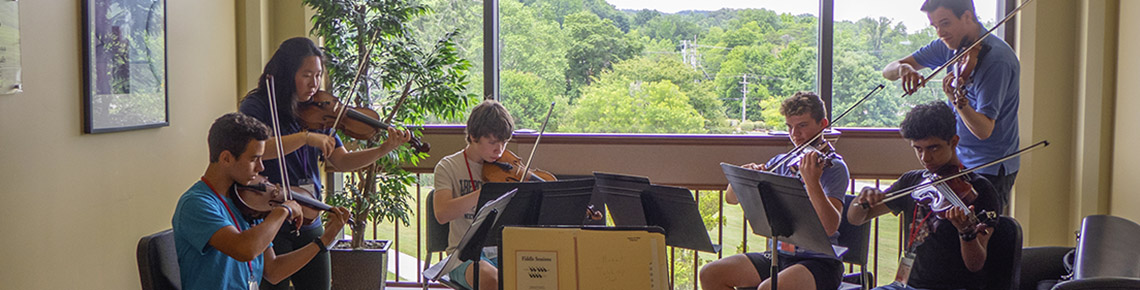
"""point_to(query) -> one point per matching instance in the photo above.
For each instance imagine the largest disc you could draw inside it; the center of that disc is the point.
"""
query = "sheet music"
(448, 263)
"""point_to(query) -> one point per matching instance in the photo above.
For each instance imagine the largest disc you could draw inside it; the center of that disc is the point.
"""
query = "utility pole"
(744, 99)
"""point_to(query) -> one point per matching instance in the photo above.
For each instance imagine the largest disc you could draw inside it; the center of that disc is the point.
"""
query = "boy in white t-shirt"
(459, 178)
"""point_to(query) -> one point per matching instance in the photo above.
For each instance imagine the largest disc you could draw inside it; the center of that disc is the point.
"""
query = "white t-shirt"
(452, 173)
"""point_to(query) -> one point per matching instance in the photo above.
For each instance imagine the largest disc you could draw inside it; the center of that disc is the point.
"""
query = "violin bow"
(798, 148)
(961, 53)
(355, 79)
(535, 147)
(285, 189)
(903, 192)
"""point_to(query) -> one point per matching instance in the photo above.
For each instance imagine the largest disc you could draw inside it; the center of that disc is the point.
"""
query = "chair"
(1042, 266)
(1003, 256)
(158, 262)
(436, 239)
(856, 239)
(1105, 256)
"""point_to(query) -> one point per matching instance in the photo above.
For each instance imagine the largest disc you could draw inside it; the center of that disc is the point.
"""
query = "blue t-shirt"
(834, 181)
(198, 216)
(993, 91)
(302, 163)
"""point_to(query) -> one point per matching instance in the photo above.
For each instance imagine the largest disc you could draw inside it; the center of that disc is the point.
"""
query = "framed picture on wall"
(124, 63)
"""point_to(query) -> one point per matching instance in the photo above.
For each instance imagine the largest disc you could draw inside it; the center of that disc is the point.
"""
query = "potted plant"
(403, 80)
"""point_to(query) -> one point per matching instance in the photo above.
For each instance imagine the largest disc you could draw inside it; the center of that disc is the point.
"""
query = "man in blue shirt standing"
(985, 102)
(222, 244)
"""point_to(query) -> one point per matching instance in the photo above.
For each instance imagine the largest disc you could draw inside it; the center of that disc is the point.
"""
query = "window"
(872, 33)
(717, 66)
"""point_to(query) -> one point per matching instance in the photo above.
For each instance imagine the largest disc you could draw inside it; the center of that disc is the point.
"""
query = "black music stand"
(633, 201)
(471, 245)
(778, 207)
(562, 202)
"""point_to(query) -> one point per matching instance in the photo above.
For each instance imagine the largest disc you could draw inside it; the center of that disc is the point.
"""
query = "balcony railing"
(729, 228)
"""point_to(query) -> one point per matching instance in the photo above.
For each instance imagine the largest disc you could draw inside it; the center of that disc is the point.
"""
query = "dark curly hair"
(803, 102)
(934, 119)
(232, 132)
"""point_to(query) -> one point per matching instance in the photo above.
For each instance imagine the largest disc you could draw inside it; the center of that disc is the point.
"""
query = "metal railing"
(409, 251)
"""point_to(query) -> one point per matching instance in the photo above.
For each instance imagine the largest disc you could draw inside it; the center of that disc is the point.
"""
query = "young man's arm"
(349, 161)
(448, 208)
(730, 195)
(278, 268)
(246, 245)
(857, 215)
(827, 208)
(973, 251)
(906, 68)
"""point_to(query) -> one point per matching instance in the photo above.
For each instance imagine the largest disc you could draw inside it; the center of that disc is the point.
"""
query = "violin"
(955, 192)
(262, 196)
(322, 110)
(824, 150)
(956, 80)
(509, 168)
(948, 176)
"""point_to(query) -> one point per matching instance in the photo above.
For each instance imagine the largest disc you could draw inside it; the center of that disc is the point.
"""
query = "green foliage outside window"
(597, 62)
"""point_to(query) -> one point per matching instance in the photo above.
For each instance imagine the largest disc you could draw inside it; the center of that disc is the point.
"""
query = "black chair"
(158, 262)
(1042, 267)
(857, 241)
(1105, 256)
(436, 238)
(1003, 256)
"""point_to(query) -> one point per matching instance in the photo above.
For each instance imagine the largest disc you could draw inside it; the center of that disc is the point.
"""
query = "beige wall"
(1125, 184)
(75, 205)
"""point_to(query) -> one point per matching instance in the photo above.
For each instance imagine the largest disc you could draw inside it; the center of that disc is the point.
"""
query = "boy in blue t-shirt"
(985, 100)
(222, 244)
(825, 185)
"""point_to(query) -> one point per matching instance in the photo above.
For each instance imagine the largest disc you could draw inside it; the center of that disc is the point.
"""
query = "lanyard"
(248, 264)
(469, 176)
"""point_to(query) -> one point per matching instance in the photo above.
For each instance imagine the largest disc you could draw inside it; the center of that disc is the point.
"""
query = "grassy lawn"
(734, 235)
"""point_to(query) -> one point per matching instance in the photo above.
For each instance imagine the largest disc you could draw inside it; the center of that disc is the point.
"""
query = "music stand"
(562, 202)
(778, 207)
(633, 201)
(470, 247)
(622, 196)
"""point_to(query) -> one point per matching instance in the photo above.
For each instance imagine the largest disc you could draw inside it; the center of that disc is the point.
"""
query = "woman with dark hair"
(296, 70)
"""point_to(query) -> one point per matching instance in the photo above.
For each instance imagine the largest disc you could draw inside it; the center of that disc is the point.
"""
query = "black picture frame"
(124, 65)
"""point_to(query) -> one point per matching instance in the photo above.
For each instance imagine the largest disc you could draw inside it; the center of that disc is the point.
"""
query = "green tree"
(527, 96)
(637, 107)
(532, 44)
(598, 45)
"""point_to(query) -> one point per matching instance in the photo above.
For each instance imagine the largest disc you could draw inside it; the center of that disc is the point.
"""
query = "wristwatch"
(321, 244)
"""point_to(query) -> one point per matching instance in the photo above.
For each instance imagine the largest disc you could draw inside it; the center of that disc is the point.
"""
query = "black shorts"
(828, 273)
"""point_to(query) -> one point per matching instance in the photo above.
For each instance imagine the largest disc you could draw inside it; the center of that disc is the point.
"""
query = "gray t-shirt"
(453, 173)
(834, 181)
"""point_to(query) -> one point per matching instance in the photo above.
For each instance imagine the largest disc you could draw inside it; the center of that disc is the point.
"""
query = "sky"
(904, 10)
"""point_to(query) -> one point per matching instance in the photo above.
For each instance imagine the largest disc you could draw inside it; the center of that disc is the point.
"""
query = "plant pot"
(360, 268)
